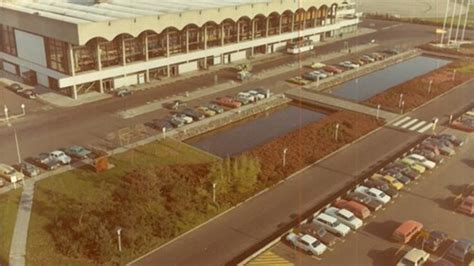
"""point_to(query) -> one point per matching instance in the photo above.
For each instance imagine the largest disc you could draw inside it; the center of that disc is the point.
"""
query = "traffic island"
(413, 93)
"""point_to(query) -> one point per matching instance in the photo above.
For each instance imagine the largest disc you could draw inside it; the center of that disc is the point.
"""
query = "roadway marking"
(423, 129)
(410, 123)
(316, 258)
(401, 121)
(417, 125)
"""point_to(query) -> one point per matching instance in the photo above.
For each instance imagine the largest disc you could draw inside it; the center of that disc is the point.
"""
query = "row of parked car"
(347, 213)
(465, 122)
(33, 166)
(322, 71)
(26, 93)
(181, 114)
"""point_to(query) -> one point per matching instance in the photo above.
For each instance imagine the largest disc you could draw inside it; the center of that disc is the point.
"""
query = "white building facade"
(76, 47)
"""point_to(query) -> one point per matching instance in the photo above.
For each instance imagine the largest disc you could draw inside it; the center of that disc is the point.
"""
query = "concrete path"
(330, 101)
(20, 232)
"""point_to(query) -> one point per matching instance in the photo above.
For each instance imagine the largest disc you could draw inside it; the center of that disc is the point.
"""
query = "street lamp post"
(402, 107)
(435, 122)
(119, 236)
(214, 192)
(400, 100)
(337, 132)
(284, 156)
(454, 74)
(450, 119)
(429, 86)
(23, 108)
(378, 111)
(5, 111)
(164, 132)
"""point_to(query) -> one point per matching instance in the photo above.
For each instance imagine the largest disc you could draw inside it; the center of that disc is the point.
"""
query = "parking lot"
(429, 200)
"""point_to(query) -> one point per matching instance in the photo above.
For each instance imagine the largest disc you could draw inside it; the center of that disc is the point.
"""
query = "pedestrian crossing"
(413, 124)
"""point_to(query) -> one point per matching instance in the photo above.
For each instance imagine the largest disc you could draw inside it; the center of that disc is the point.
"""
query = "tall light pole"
(336, 134)
(23, 108)
(433, 127)
(285, 150)
(445, 20)
(5, 111)
(119, 237)
(429, 86)
(378, 111)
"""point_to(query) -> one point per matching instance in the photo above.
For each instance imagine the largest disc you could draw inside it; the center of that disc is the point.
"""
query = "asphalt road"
(89, 124)
(226, 237)
(433, 195)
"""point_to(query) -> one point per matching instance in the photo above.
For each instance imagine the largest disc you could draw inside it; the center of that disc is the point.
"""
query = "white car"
(246, 95)
(306, 243)
(349, 64)
(10, 173)
(421, 160)
(331, 224)
(185, 118)
(60, 156)
(374, 193)
(257, 95)
(346, 217)
(414, 257)
(368, 58)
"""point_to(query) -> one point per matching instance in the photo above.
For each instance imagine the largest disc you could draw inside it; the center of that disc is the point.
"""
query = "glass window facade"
(7, 40)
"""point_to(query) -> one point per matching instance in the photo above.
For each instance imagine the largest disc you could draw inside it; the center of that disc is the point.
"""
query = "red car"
(467, 206)
(228, 102)
(356, 208)
(332, 69)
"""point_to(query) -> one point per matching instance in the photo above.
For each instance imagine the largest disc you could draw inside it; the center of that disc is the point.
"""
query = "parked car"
(184, 117)
(395, 167)
(195, 115)
(413, 165)
(298, 80)
(15, 87)
(60, 156)
(358, 61)
(258, 95)
(122, 92)
(461, 251)
(28, 94)
(414, 257)
(399, 175)
(435, 239)
(442, 146)
(429, 155)
(45, 161)
(175, 105)
(205, 111)
(247, 95)
(378, 56)
(421, 160)
(306, 243)
(406, 231)
(467, 206)
(373, 205)
(317, 65)
(368, 58)
(331, 224)
(392, 51)
(383, 186)
(356, 208)
(267, 93)
(349, 65)
(243, 100)
(451, 138)
(344, 216)
(160, 124)
(374, 194)
(215, 108)
(77, 152)
(430, 147)
(390, 180)
(28, 169)
(314, 75)
(176, 121)
(228, 102)
(317, 231)
(10, 173)
(333, 69)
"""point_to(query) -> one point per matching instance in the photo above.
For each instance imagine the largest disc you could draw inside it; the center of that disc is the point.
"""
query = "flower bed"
(417, 91)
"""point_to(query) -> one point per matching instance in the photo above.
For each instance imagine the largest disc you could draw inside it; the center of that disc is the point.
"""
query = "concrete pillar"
(316, 19)
(222, 34)
(253, 28)
(146, 47)
(187, 40)
(279, 25)
(99, 60)
(71, 60)
(167, 45)
(267, 25)
(124, 55)
(292, 22)
(101, 86)
(205, 37)
(147, 75)
(168, 71)
(238, 32)
(74, 92)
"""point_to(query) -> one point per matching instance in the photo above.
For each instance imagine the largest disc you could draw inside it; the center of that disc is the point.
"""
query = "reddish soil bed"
(466, 50)
(416, 91)
(310, 143)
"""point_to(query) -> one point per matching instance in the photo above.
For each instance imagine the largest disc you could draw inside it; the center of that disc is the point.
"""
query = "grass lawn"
(8, 210)
(81, 185)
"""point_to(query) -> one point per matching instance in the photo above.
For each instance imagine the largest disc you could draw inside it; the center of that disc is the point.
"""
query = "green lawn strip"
(54, 195)
(8, 211)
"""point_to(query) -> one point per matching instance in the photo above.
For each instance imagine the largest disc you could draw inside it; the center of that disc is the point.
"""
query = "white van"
(331, 224)
(10, 174)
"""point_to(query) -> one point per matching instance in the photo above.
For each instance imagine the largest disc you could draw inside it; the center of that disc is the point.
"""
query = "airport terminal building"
(83, 45)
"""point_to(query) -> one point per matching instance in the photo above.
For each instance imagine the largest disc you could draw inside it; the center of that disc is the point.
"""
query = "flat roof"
(87, 11)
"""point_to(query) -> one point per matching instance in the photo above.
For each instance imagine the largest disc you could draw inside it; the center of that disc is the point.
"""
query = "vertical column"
(124, 55)
(205, 46)
(316, 19)
(238, 31)
(279, 25)
(292, 22)
(253, 28)
(98, 56)
(187, 40)
(168, 45)
(267, 25)
(146, 47)
(222, 34)
(72, 69)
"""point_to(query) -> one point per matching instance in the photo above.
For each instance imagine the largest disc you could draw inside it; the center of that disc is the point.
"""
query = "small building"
(75, 46)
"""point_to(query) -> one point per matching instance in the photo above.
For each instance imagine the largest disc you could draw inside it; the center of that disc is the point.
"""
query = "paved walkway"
(328, 100)
(20, 232)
